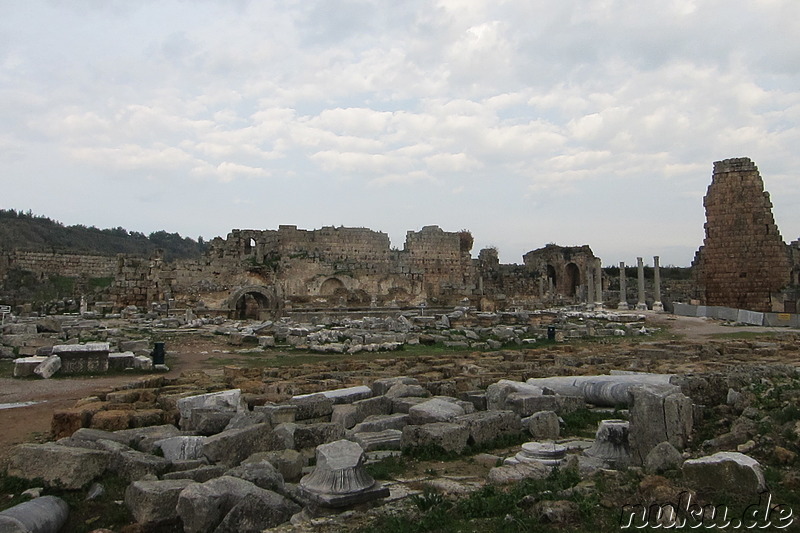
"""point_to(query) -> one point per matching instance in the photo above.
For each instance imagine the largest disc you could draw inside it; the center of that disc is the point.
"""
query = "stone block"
(198, 472)
(223, 401)
(381, 386)
(313, 435)
(26, 366)
(257, 512)
(202, 506)
(378, 405)
(181, 448)
(450, 437)
(345, 415)
(121, 361)
(47, 368)
(526, 404)
(89, 358)
(153, 503)
(658, 413)
(387, 439)
(58, 466)
(726, 472)
(314, 406)
(434, 410)
(543, 425)
(289, 463)
(111, 420)
(381, 423)
(278, 414)
(132, 465)
(486, 426)
(233, 446)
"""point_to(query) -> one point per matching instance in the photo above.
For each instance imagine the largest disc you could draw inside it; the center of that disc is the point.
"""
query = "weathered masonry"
(744, 262)
(258, 273)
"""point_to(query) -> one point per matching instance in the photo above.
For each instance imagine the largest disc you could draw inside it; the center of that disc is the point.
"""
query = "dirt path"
(32, 422)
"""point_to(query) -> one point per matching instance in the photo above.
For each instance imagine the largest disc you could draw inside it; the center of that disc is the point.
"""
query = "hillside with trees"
(26, 231)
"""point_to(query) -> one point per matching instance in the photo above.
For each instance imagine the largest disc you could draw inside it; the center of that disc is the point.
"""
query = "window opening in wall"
(573, 274)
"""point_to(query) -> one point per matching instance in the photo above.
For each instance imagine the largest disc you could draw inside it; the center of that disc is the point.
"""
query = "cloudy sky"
(527, 121)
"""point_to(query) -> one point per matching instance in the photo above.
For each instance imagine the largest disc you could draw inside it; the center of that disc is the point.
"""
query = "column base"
(623, 306)
(658, 306)
(641, 306)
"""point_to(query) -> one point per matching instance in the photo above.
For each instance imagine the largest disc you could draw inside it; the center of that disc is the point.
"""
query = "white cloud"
(571, 106)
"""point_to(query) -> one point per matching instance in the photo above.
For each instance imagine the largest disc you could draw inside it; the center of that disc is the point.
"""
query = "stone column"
(623, 289)
(641, 305)
(598, 284)
(589, 286)
(657, 305)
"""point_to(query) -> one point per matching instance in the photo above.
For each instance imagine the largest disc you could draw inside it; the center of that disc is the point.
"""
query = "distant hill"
(26, 231)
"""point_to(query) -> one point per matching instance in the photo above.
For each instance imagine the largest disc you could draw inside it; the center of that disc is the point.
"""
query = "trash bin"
(551, 333)
(158, 354)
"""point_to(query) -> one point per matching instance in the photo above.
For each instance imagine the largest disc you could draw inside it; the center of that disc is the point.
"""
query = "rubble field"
(529, 431)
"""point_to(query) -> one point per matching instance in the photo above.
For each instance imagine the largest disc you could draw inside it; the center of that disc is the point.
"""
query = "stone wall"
(744, 262)
(62, 264)
(253, 272)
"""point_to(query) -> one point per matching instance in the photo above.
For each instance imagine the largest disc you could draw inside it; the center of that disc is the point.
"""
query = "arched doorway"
(252, 303)
(573, 278)
(330, 287)
(551, 278)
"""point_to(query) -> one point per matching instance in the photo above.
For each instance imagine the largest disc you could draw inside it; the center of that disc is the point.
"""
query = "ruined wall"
(564, 268)
(744, 262)
(62, 264)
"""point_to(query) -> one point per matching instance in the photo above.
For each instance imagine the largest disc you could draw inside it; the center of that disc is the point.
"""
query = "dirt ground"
(32, 422)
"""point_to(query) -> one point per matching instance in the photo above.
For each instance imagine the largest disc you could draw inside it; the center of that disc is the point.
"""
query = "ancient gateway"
(263, 273)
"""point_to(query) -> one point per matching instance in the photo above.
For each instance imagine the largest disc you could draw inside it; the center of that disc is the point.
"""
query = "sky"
(527, 122)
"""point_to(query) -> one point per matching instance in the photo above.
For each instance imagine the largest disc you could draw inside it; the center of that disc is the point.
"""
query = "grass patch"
(388, 467)
(494, 508)
(743, 335)
(584, 422)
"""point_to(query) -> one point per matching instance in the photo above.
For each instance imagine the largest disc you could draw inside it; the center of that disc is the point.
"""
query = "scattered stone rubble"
(74, 345)
(225, 458)
(231, 450)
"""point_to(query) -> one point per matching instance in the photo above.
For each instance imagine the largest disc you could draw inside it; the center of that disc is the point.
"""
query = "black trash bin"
(551, 333)
(158, 354)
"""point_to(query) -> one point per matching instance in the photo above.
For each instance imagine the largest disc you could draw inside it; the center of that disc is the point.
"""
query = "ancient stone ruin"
(744, 262)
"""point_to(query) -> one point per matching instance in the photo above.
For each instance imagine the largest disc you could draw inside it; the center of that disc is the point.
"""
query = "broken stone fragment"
(46, 514)
(611, 443)
(339, 478)
(48, 367)
(725, 472)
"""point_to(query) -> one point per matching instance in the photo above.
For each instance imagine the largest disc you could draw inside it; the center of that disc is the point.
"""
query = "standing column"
(657, 305)
(642, 304)
(589, 286)
(623, 289)
(598, 284)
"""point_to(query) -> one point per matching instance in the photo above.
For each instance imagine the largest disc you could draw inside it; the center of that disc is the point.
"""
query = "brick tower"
(743, 260)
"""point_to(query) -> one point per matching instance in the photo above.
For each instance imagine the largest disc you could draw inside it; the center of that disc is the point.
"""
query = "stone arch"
(331, 287)
(573, 278)
(551, 276)
(252, 302)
